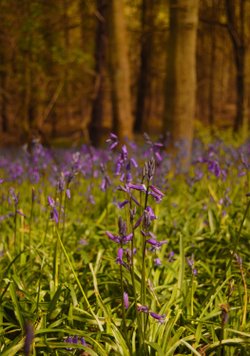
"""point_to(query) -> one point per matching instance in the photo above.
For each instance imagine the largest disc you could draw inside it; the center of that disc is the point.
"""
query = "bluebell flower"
(125, 300)
(112, 141)
(159, 317)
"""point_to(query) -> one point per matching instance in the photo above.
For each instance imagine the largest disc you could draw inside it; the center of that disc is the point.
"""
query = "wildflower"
(113, 237)
(139, 187)
(125, 300)
(105, 183)
(122, 204)
(151, 213)
(171, 256)
(119, 256)
(61, 182)
(1, 180)
(190, 262)
(158, 317)
(75, 340)
(54, 213)
(238, 259)
(14, 196)
(68, 193)
(156, 193)
(112, 141)
(122, 239)
(157, 261)
(142, 308)
(156, 244)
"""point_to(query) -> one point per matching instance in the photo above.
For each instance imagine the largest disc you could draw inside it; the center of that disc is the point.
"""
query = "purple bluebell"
(190, 262)
(156, 193)
(151, 213)
(68, 193)
(160, 318)
(156, 244)
(171, 256)
(238, 259)
(112, 141)
(125, 300)
(122, 204)
(119, 256)
(74, 340)
(14, 196)
(157, 261)
(142, 308)
(61, 182)
(105, 183)
(139, 187)
(54, 213)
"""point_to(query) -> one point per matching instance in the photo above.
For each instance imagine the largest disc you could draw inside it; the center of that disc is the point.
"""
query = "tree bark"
(97, 127)
(181, 75)
(143, 104)
(119, 71)
(238, 18)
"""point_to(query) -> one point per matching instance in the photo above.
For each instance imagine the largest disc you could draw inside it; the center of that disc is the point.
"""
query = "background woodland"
(78, 69)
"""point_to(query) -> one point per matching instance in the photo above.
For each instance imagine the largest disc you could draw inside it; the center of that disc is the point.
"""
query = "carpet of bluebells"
(119, 252)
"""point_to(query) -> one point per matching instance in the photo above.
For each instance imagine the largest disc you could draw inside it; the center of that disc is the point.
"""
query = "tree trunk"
(238, 21)
(143, 107)
(119, 71)
(181, 75)
(97, 127)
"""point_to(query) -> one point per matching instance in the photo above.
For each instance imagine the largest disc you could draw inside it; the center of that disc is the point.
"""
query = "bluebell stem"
(224, 313)
(29, 336)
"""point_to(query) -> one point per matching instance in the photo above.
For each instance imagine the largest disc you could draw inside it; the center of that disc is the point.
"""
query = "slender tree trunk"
(97, 128)
(212, 73)
(181, 75)
(239, 30)
(3, 91)
(66, 40)
(119, 71)
(144, 98)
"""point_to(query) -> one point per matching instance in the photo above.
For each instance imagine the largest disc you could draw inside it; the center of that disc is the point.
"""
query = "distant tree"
(97, 126)
(180, 89)
(238, 23)
(145, 78)
(119, 70)
(3, 69)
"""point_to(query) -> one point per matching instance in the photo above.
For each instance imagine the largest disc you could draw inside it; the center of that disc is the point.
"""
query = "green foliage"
(63, 278)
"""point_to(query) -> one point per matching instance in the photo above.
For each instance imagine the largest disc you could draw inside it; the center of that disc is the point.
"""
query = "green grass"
(64, 288)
